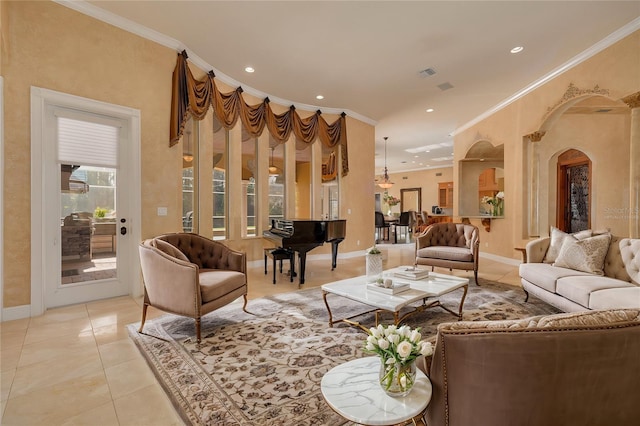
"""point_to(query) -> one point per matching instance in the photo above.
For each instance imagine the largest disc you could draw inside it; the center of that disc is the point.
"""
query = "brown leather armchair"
(566, 369)
(188, 274)
(449, 245)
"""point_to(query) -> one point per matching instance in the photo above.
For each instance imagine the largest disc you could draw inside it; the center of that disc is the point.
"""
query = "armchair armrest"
(170, 284)
(424, 239)
(536, 249)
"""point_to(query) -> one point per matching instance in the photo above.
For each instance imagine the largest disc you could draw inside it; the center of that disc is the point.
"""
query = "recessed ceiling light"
(430, 110)
(416, 156)
(517, 49)
(428, 150)
(249, 69)
(319, 97)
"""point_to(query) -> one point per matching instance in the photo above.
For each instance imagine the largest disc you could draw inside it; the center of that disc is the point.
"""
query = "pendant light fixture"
(385, 182)
(273, 170)
(187, 155)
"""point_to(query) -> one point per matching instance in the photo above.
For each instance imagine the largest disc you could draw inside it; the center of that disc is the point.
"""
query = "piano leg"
(303, 260)
(334, 254)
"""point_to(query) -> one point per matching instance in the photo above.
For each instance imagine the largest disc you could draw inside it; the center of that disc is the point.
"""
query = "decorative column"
(633, 101)
(533, 183)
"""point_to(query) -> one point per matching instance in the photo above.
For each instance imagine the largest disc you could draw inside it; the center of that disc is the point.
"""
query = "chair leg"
(198, 336)
(244, 305)
(144, 316)
(265, 263)
(475, 275)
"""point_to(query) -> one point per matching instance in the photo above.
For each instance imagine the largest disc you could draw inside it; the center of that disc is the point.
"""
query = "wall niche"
(482, 181)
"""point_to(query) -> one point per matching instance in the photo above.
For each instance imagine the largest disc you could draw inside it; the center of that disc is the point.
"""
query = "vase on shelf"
(397, 379)
(389, 212)
(373, 267)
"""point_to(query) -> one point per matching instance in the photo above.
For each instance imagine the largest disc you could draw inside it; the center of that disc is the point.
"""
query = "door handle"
(123, 230)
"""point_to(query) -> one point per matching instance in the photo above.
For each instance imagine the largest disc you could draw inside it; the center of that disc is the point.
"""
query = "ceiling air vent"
(427, 72)
(603, 110)
(445, 86)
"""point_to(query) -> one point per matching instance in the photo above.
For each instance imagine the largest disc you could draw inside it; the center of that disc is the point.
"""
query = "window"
(249, 154)
(276, 183)
(189, 177)
(219, 142)
(219, 203)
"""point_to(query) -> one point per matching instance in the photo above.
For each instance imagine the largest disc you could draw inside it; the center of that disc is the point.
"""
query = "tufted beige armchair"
(449, 245)
(188, 274)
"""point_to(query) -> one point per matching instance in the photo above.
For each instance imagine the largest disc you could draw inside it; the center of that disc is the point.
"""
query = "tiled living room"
(521, 140)
(83, 353)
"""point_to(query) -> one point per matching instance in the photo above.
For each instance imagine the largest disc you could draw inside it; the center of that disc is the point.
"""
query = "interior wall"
(427, 180)
(599, 137)
(50, 46)
(615, 70)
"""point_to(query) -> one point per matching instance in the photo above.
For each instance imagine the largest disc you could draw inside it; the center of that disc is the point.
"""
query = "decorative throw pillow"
(557, 237)
(584, 255)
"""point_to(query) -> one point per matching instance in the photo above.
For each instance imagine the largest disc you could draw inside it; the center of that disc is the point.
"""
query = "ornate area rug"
(265, 368)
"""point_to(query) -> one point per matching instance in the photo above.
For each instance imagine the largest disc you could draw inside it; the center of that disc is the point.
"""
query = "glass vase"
(397, 379)
(373, 267)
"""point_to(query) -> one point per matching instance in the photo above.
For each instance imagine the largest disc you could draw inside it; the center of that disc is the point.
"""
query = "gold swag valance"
(192, 98)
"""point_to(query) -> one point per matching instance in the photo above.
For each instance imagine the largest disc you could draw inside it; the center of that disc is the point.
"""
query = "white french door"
(90, 206)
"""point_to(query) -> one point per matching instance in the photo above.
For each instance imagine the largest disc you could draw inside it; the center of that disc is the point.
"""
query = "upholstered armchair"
(564, 369)
(449, 245)
(190, 275)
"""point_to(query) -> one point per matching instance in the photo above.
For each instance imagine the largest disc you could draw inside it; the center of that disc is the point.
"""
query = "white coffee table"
(353, 391)
(429, 288)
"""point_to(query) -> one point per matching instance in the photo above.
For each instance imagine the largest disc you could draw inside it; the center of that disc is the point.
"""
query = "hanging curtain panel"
(192, 98)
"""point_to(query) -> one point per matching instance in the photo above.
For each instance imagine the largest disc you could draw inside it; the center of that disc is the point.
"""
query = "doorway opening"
(574, 191)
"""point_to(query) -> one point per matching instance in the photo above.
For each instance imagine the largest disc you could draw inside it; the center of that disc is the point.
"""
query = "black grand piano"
(304, 235)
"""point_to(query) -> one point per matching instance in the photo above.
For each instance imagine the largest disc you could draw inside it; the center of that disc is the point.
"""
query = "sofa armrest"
(536, 249)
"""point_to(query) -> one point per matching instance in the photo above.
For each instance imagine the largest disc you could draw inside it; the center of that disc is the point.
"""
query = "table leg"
(324, 296)
(464, 295)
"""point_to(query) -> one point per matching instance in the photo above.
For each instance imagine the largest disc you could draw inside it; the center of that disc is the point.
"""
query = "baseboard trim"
(16, 313)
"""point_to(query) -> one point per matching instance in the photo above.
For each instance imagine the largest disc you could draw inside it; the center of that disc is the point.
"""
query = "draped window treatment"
(192, 98)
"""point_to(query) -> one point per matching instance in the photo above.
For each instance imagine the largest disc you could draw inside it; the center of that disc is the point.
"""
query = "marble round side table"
(352, 390)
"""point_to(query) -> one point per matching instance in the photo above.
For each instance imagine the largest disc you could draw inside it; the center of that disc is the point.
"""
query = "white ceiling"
(365, 56)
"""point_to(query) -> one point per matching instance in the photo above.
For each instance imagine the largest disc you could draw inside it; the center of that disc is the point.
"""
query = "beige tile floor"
(77, 366)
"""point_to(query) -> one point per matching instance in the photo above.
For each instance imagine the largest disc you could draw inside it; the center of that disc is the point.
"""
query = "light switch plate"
(162, 211)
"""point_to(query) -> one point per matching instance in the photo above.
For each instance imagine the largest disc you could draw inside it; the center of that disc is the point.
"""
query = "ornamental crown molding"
(573, 92)
(632, 101)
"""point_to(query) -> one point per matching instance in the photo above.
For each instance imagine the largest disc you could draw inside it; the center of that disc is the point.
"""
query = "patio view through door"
(87, 256)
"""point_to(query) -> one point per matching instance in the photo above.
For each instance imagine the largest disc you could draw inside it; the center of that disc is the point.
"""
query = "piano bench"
(279, 254)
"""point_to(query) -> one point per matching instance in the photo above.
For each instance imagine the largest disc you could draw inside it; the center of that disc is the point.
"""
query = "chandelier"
(385, 182)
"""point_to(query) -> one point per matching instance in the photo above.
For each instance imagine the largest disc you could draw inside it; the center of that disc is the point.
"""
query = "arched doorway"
(574, 191)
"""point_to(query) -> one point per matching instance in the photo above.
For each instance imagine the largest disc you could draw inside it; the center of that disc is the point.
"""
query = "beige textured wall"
(53, 47)
(617, 70)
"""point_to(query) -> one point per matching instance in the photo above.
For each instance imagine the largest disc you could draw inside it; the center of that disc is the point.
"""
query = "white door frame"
(40, 100)
(2, 153)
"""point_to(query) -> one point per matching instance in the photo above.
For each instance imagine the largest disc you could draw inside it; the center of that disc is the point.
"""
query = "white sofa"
(573, 290)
